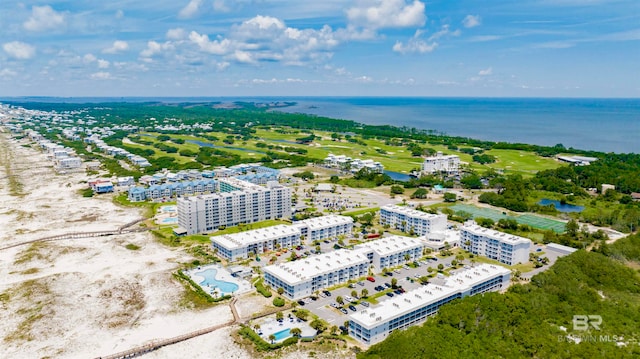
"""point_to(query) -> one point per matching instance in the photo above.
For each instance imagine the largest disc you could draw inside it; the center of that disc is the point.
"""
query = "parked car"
(387, 285)
(352, 308)
(389, 294)
(344, 311)
(371, 279)
(301, 302)
(366, 304)
(361, 283)
(343, 328)
(327, 293)
(351, 285)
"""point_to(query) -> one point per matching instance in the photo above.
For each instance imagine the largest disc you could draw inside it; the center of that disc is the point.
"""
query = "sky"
(470, 48)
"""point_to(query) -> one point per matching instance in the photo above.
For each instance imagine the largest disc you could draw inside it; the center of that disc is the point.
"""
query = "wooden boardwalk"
(121, 230)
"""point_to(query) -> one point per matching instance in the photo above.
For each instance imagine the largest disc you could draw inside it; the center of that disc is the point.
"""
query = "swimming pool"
(170, 220)
(283, 334)
(210, 280)
(167, 209)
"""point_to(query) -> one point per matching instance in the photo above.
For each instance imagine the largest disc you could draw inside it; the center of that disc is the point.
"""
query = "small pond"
(560, 206)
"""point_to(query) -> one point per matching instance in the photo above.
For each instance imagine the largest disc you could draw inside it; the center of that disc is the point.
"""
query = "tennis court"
(496, 215)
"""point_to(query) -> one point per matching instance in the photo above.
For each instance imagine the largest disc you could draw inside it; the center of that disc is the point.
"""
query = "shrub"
(262, 289)
(278, 302)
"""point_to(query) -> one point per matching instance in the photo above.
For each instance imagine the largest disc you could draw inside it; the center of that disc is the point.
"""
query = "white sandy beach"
(90, 297)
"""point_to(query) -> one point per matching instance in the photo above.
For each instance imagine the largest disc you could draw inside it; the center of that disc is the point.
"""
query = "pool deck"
(222, 275)
(270, 325)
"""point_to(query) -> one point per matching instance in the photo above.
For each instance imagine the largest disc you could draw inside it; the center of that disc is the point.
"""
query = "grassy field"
(250, 226)
(394, 158)
(529, 219)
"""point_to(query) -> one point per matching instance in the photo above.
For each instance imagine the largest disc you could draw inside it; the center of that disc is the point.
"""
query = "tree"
(572, 228)
(450, 197)
(407, 257)
(256, 327)
(440, 267)
(354, 293)
(278, 302)
(364, 293)
(280, 290)
(279, 315)
(394, 282)
(334, 179)
(318, 325)
(302, 314)
(272, 338)
(340, 300)
(420, 193)
(296, 332)
(395, 189)
(334, 329)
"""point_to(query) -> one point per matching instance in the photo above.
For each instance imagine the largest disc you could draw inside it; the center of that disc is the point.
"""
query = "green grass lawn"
(249, 226)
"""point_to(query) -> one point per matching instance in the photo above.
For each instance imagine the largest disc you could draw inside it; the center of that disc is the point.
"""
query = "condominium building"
(503, 247)
(352, 164)
(393, 251)
(441, 163)
(301, 278)
(237, 202)
(374, 324)
(319, 228)
(239, 245)
(412, 221)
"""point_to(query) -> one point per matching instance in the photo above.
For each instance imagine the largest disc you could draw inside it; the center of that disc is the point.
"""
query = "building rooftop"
(324, 221)
(474, 228)
(408, 211)
(399, 305)
(305, 269)
(392, 244)
(243, 239)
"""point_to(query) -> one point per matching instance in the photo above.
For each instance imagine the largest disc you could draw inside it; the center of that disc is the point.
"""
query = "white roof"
(399, 305)
(305, 269)
(413, 213)
(392, 244)
(323, 222)
(473, 228)
(243, 239)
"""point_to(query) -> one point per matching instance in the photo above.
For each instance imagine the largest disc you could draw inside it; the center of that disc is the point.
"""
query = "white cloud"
(213, 47)
(471, 21)
(190, 9)
(485, 72)
(100, 76)
(220, 6)
(19, 50)
(415, 44)
(119, 14)
(89, 58)
(44, 18)
(377, 14)
(118, 46)
(103, 64)
(155, 48)
(7, 73)
(176, 34)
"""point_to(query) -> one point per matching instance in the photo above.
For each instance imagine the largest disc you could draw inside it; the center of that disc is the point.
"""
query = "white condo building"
(393, 251)
(237, 202)
(408, 219)
(331, 226)
(303, 277)
(441, 163)
(503, 247)
(375, 324)
(238, 245)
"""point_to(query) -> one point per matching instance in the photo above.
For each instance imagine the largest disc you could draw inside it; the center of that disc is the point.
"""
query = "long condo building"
(373, 325)
(412, 221)
(441, 163)
(503, 247)
(301, 278)
(237, 246)
(237, 202)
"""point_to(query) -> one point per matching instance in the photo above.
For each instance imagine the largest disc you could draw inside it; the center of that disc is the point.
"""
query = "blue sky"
(537, 48)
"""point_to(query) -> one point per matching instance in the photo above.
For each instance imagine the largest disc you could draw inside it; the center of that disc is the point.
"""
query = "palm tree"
(280, 290)
(340, 300)
(272, 338)
(334, 330)
(296, 332)
(256, 327)
(354, 293)
(294, 304)
(407, 257)
(364, 293)
(394, 282)
(279, 315)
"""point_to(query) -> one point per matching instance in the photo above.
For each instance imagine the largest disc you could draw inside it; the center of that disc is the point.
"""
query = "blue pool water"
(170, 220)
(561, 207)
(168, 208)
(210, 280)
(283, 334)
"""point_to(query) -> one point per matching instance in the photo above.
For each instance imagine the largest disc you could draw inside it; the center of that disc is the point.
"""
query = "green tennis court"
(496, 215)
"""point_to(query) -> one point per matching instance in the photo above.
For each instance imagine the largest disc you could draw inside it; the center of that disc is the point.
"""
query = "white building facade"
(410, 220)
(375, 324)
(441, 163)
(301, 278)
(393, 251)
(319, 228)
(237, 202)
(237, 246)
(503, 247)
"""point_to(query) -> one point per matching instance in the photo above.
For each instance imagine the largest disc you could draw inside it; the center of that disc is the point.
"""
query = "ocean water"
(608, 125)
